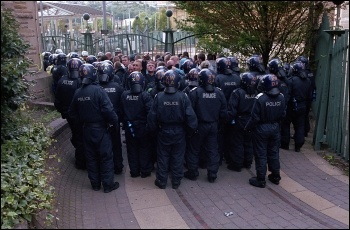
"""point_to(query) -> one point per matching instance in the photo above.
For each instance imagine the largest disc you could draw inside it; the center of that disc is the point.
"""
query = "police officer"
(234, 65)
(239, 108)
(171, 114)
(158, 87)
(65, 90)
(210, 106)
(59, 70)
(135, 105)
(268, 109)
(311, 76)
(256, 66)
(228, 81)
(300, 88)
(192, 79)
(92, 107)
(46, 62)
(114, 92)
(276, 67)
(91, 59)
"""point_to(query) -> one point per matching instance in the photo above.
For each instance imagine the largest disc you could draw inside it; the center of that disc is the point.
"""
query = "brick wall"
(26, 13)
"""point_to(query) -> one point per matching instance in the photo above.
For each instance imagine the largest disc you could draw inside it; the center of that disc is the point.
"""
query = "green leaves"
(14, 65)
(24, 143)
(271, 28)
(24, 188)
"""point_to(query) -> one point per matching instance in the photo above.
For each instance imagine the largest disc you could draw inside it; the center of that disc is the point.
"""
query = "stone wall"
(26, 13)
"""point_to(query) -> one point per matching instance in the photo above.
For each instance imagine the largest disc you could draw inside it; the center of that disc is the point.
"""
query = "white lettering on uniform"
(110, 90)
(230, 83)
(132, 98)
(171, 103)
(84, 99)
(247, 96)
(67, 82)
(209, 95)
(277, 103)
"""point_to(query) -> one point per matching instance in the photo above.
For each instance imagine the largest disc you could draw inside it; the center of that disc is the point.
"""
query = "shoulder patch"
(218, 88)
(259, 95)
(193, 89)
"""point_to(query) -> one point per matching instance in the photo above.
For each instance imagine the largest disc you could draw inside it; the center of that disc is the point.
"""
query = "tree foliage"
(270, 28)
(14, 65)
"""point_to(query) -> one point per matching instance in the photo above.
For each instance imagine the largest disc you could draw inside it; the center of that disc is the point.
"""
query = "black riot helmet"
(276, 67)
(248, 82)
(159, 79)
(233, 64)
(91, 59)
(105, 72)
(304, 60)
(61, 59)
(206, 79)
(136, 82)
(88, 73)
(221, 64)
(255, 63)
(192, 77)
(171, 81)
(73, 66)
(269, 85)
(298, 69)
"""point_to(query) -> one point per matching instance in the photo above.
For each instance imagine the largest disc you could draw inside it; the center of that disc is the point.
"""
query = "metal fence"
(331, 108)
(153, 42)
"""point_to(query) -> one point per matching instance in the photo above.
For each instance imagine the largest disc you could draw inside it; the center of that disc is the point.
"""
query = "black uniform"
(92, 107)
(311, 76)
(57, 72)
(65, 90)
(228, 82)
(135, 108)
(211, 109)
(264, 125)
(114, 92)
(239, 109)
(170, 116)
(300, 94)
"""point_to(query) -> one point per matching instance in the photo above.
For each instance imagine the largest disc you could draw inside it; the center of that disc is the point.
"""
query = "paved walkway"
(311, 194)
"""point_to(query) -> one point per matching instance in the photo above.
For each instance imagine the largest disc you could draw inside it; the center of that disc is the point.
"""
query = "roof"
(63, 9)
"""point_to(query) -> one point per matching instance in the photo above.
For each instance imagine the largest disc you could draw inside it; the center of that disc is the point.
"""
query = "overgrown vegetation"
(24, 143)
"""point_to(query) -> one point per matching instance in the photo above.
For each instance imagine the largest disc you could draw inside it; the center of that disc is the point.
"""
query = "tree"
(270, 28)
(158, 20)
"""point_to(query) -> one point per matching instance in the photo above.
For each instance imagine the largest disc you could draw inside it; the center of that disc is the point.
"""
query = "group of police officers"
(181, 115)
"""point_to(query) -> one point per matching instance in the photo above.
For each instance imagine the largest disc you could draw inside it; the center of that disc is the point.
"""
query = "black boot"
(284, 146)
(190, 175)
(274, 178)
(297, 147)
(257, 182)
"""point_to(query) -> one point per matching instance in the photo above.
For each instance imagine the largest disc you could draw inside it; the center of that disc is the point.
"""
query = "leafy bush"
(24, 143)
(14, 65)
(24, 180)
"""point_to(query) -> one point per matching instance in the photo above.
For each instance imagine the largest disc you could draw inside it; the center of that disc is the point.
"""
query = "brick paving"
(200, 204)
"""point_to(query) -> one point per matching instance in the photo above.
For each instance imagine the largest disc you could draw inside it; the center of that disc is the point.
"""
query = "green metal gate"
(151, 42)
(331, 108)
